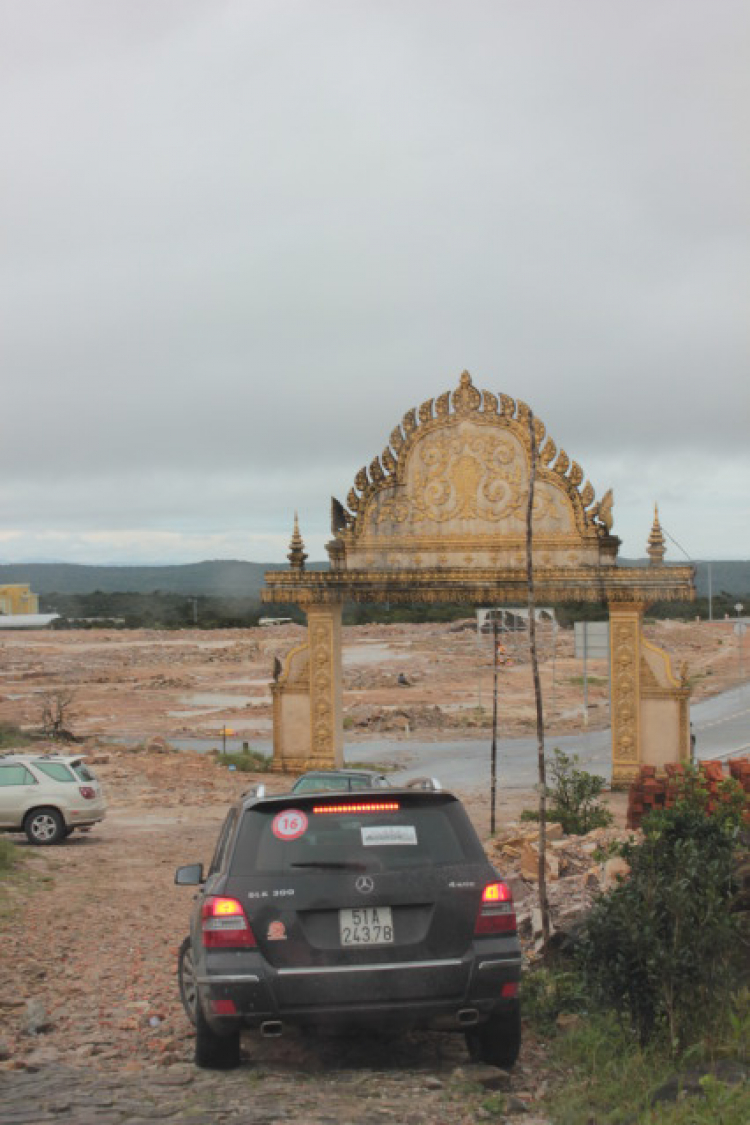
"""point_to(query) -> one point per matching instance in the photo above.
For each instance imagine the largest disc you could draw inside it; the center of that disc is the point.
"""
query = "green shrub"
(11, 736)
(662, 946)
(548, 993)
(573, 797)
(249, 761)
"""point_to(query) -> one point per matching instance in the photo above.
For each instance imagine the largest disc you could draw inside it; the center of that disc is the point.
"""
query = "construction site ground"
(91, 1028)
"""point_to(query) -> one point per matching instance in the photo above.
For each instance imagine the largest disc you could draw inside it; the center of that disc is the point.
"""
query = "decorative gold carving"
(443, 405)
(625, 636)
(389, 461)
(320, 634)
(466, 398)
(409, 422)
(562, 464)
(548, 452)
(575, 476)
(491, 405)
(509, 406)
(587, 494)
(360, 481)
(425, 411)
(352, 501)
(539, 429)
(603, 510)
(397, 439)
(376, 471)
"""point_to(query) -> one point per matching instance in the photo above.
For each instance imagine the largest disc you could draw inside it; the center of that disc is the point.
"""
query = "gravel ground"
(92, 1028)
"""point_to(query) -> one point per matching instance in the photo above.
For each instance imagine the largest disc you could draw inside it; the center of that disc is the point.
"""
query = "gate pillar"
(326, 712)
(625, 622)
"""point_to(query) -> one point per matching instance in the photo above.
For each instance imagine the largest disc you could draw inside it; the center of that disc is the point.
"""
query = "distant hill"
(235, 578)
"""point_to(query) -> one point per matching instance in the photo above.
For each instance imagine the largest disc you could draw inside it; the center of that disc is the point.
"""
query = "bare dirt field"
(91, 1029)
(191, 684)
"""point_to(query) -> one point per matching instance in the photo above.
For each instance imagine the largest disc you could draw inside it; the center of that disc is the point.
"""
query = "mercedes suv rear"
(379, 909)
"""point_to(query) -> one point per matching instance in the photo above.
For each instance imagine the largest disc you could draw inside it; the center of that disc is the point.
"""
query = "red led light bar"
(362, 806)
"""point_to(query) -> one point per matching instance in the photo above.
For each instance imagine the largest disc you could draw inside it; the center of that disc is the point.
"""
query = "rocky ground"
(191, 684)
(92, 1027)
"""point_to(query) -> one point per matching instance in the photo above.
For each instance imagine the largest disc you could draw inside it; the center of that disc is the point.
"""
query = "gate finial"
(296, 554)
(656, 547)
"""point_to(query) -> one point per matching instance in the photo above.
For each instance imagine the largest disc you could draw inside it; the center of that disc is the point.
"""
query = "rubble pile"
(651, 790)
(577, 868)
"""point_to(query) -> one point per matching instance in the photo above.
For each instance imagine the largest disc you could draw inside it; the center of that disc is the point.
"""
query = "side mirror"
(189, 876)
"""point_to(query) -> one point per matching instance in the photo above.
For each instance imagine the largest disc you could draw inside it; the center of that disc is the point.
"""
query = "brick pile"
(650, 790)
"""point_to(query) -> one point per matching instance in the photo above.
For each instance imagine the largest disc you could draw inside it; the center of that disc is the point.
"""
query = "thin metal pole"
(493, 752)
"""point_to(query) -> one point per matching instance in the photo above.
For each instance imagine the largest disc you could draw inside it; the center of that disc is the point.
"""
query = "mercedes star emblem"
(365, 885)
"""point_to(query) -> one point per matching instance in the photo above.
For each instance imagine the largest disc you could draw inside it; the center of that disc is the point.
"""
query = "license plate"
(367, 925)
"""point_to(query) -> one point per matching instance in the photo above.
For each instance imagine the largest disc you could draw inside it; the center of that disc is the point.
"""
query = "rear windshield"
(82, 772)
(273, 839)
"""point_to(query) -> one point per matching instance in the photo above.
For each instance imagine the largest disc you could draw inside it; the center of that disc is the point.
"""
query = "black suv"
(378, 909)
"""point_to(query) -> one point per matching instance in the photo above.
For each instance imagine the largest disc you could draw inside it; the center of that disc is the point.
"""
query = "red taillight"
(496, 911)
(87, 792)
(224, 925)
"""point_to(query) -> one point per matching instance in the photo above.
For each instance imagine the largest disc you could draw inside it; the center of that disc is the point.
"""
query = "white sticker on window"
(389, 834)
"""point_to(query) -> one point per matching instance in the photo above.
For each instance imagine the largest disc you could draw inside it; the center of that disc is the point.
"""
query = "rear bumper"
(448, 994)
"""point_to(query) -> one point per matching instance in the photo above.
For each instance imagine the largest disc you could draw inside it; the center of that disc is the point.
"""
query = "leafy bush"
(573, 797)
(663, 945)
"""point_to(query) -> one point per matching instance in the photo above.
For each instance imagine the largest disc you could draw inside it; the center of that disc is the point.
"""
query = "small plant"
(573, 797)
(12, 737)
(547, 993)
(57, 713)
(249, 761)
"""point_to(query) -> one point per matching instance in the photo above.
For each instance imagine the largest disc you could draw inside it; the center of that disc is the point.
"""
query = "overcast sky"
(241, 238)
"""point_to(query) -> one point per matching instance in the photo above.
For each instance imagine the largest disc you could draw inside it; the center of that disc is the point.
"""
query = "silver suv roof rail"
(423, 783)
(258, 790)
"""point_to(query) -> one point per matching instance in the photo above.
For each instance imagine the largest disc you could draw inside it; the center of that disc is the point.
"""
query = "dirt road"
(92, 1027)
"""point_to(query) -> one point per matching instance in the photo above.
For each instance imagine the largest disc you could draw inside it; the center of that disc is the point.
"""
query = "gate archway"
(440, 516)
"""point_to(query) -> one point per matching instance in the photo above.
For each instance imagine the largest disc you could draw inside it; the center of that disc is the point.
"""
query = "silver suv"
(47, 796)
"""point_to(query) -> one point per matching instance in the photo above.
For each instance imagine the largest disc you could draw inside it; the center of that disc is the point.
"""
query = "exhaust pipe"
(272, 1029)
(467, 1016)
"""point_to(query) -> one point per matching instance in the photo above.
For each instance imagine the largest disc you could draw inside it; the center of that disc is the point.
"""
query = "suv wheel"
(498, 1041)
(186, 979)
(212, 1051)
(44, 826)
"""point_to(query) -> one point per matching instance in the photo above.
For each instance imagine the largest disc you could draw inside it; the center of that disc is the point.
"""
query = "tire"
(212, 1051)
(44, 826)
(498, 1041)
(186, 980)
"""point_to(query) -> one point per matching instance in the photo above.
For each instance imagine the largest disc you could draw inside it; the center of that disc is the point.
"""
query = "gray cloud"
(241, 240)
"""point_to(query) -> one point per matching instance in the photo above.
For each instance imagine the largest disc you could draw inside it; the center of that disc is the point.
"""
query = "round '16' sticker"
(289, 824)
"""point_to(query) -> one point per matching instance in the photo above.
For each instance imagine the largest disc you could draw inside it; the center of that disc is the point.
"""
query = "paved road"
(721, 726)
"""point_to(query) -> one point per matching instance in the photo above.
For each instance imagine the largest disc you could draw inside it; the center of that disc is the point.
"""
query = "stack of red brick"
(649, 791)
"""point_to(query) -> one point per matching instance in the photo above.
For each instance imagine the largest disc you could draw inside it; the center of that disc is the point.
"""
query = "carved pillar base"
(326, 707)
(625, 621)
(291, 713)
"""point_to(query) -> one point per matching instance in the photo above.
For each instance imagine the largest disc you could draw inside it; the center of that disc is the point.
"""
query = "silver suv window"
(16, 775)
(56, 770)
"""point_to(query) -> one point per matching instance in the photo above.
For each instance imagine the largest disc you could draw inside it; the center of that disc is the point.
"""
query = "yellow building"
(17, 600)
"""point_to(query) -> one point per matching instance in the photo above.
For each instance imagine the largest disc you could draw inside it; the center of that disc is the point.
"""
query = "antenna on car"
(258, 790)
